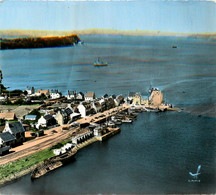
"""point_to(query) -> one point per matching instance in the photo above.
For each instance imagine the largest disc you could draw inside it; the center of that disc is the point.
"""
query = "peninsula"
(39, 42)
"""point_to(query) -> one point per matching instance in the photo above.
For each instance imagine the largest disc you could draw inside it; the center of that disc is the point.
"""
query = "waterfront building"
(156, 97)
(7, 116)
(82, 137)
(139, 100)
(6, 141)
(17, 130)
(89, 96)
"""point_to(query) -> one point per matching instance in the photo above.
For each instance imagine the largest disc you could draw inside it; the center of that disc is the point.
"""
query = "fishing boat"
(151, 109)
(100, 63)
(127, 120)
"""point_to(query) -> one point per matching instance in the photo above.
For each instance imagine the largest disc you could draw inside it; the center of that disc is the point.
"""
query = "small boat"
(100, 63)
(110, 124)
(127, 120)
(117, 121)
(151, 109)
(174, 46)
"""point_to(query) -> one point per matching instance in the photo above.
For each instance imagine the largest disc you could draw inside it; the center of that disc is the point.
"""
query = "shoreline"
(18, 175)
(42, 33)
(24, 172)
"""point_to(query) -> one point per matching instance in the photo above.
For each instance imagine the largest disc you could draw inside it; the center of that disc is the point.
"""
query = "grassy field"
(24, 163)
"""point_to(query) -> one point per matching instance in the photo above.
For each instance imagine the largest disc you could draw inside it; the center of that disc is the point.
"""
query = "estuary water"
(154, 154)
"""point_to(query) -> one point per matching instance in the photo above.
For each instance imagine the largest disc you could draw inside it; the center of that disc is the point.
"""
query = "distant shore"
(39, 42)
(44, 33)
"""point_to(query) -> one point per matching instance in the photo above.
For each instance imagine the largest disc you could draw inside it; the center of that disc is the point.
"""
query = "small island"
(39, 42)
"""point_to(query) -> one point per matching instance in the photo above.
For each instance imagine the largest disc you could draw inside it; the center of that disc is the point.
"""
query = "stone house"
(17, 130)
(139, 100)
(119, 100)
(102, 104)
(6, 141)
(156, 97)
(110, 103)
(89, 96)
(96, 106)
(85, 109)
(63, 116)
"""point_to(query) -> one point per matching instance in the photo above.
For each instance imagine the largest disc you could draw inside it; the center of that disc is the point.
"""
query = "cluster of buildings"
(72, 107)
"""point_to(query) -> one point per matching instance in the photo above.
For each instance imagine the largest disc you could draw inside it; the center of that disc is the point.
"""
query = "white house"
(71, 95)
(45, 121)
(30, 90)
(55, 94)
(85, 109)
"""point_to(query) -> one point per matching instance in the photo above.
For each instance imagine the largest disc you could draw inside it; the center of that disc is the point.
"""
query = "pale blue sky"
(170, 16)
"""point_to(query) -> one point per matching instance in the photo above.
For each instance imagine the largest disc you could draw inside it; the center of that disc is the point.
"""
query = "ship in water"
(53, 163)
(100, 63)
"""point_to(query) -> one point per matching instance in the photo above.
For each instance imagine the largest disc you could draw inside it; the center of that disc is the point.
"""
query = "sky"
(188, 16)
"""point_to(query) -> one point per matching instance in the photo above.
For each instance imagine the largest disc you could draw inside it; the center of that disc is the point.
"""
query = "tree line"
(39, 42)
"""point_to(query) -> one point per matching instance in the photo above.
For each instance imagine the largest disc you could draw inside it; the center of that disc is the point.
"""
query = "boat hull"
(101, 64)
(52, 164)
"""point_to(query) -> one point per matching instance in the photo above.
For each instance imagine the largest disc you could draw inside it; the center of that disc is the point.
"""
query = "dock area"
(103, 115)
(111, 132)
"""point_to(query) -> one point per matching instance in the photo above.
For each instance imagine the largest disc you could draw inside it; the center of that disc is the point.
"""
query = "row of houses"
(55, 94)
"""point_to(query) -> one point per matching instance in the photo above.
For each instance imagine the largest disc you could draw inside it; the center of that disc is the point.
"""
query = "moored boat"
(53, 163)
(127, 120)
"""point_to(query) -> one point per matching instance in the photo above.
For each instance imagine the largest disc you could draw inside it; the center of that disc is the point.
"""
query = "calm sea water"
(156, 152)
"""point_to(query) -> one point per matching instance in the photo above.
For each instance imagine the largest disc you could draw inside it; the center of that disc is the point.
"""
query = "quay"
(100, 117)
